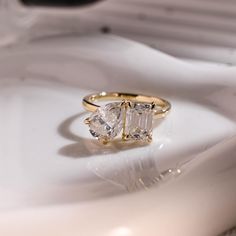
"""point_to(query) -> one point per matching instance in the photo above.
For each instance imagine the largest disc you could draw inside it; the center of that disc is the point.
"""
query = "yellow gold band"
(162, 105)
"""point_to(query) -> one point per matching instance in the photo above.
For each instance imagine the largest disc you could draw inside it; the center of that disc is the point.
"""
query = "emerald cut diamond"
(139, 119)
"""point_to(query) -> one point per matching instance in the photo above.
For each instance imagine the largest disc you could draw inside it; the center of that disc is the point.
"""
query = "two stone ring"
(130, 115)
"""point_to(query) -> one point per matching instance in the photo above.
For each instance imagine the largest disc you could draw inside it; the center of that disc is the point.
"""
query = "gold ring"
(130, 113)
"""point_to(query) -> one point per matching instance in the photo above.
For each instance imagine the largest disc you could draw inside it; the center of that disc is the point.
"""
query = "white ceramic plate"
(56, 180)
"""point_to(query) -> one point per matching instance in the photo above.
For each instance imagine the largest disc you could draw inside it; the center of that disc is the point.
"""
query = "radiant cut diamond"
(139, 119)
(107, 121)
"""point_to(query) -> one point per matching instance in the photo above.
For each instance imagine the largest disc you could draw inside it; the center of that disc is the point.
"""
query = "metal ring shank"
(163, 105)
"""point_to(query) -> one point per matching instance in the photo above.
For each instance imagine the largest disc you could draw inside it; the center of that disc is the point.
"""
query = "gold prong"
(125, 137)
(103, 141)
(126, 103)
(122, 103)
(149, 139)
(153, 105)
(87, 121)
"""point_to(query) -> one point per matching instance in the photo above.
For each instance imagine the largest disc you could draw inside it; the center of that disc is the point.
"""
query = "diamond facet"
(139, 118)
(106, 122)
(134, 118)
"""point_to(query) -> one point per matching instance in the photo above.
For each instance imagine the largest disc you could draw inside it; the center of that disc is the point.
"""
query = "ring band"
(164, 105)
(132, 113)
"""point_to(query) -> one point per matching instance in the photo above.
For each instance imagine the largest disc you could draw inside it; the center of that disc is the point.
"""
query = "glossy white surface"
(55, 180)
(203, 30)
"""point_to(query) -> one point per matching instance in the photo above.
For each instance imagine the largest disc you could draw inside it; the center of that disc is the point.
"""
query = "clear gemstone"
(139, 118)
(107, 121)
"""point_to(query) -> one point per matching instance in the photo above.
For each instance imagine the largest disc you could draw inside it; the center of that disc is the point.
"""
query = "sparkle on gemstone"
(139, 119)
(136, 119)
(106, 122)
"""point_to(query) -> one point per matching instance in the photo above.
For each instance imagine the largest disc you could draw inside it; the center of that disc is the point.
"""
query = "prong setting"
(153, 105)
(125, 104)
(87, 121)
(133, 118)
(125, 137)
(149, 138)
(103, 141)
